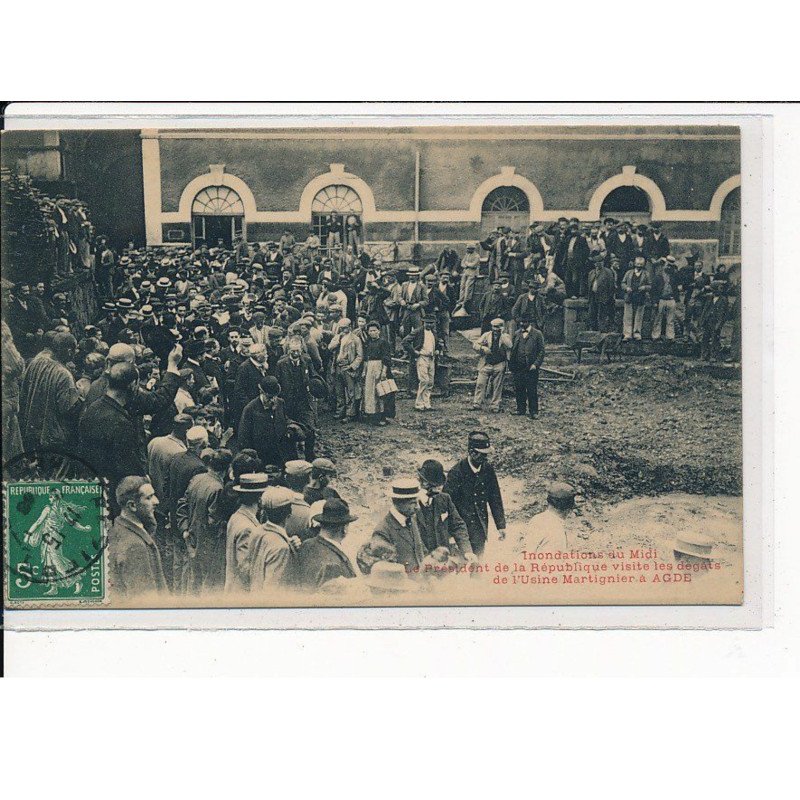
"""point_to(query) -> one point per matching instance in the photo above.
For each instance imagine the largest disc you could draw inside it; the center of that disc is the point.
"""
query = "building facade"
(424, 185)
(439, 185)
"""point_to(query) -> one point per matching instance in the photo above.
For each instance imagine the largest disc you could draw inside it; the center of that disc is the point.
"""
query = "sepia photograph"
(372, 366)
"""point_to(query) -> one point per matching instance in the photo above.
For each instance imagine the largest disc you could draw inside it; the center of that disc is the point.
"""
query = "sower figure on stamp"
(47, 533)
(472, 484)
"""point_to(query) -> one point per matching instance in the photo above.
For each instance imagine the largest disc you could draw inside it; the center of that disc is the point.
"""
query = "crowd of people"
(200, 392)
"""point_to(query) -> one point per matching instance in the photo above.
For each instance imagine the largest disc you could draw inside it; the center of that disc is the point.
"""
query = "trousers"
(632, 317)
(347, 394)
(425, 374)
(490, 385)
(665, 311)
(526, 390)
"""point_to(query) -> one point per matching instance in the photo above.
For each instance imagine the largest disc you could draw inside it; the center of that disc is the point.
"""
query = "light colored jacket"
(484, 345)
(350, 355)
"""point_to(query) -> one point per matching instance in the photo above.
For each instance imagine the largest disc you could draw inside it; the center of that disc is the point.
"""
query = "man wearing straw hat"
(399, 528)
(243, 531)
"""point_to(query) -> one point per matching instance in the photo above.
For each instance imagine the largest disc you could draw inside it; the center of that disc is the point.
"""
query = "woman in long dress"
(46, 533)
(377, 367)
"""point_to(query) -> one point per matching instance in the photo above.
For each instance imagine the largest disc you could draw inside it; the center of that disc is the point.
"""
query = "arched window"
(217, 217)
(730, 224)
(218, 201)
(339, 200)
(505, 206)
(630, 202)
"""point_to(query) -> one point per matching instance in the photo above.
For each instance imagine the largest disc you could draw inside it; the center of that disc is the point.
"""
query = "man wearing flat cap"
(473, 486)
(321, 559)
(274, 561)
(297, 474)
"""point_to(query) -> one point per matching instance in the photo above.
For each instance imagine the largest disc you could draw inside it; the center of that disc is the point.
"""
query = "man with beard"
(473, 486)
(263, 426)
(248, 375)
(133, 559)
(573, 256)
(294, 373)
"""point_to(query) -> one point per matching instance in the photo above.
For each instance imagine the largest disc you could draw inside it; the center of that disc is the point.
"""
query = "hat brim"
(323, 520)
(248, 490)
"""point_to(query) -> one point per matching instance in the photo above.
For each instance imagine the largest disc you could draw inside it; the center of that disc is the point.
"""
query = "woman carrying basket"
(378, 403)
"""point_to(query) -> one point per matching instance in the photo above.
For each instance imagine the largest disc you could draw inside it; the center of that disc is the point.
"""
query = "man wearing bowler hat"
(473, 486)
(321, 558)
(263, 426)
(440, 524)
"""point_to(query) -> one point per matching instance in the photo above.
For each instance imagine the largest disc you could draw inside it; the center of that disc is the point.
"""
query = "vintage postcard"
(429, 365)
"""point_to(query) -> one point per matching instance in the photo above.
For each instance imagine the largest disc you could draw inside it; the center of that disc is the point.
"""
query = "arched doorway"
(730, 225)
(627, 203)
(217, 217)
(339, 200)
(507, 206)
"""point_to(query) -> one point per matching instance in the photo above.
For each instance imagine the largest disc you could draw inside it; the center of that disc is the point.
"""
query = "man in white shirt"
(426, 355)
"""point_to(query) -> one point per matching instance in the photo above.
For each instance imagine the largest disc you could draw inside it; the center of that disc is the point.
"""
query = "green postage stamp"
(54, 542)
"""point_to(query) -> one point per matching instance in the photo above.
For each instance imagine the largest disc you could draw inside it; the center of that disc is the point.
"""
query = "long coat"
(265, 430)
(319, 561)
(134, 562)
(294, 381)
(206, 542)
(246, 388)
(111, 442)
(440, 522)
(473, 495)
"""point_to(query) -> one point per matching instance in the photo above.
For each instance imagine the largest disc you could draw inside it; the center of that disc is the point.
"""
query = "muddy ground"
(640, 427)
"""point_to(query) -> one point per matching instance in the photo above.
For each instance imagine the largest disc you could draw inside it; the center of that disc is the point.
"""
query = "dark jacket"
(265, 430)
(714, 315)
(246, 387)
(625, 251)
(111, 442)
(319, 561)
(525, 308)
(182, 468)
(606, 290)
(406, 540)
(656, 248)
(440, 522)
(156, 403)
(526, 352)
(294, 381)
(134, 563)
(473, 494)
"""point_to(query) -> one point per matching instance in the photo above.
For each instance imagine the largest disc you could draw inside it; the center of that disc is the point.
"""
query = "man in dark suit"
(712, 318)
(440, 524)
(399, 530)
(321, 558)
(620, 244)
(656, 243)
(472, 484)
(248, 376)
(573, 256)
(295, 373)
(134, 562)
(602, 293)
(263, 426)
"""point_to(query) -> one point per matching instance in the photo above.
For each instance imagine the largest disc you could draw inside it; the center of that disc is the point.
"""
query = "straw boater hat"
(405, 489)
(694, 544)
(252, 483)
